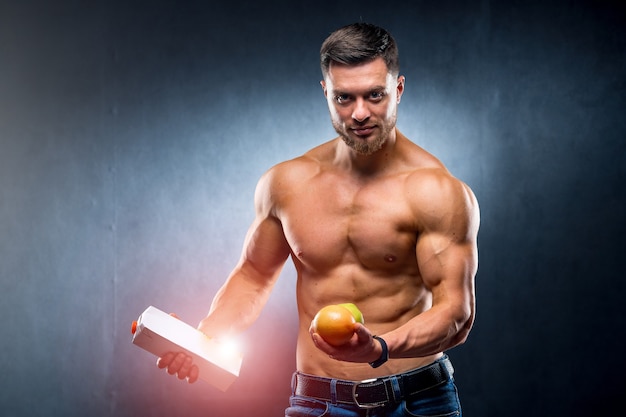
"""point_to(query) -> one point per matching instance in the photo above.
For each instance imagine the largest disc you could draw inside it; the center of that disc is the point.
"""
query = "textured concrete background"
(132, 134)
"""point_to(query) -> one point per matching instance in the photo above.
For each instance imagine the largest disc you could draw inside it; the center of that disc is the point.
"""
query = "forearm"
(237, 304)
(435, 330)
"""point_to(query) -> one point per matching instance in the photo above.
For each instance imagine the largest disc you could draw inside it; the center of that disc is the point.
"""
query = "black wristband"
(384, 356)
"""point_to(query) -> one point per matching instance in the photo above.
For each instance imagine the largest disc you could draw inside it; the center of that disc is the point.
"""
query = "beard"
(370, 145)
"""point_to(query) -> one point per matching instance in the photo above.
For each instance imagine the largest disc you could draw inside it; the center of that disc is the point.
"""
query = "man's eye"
(377, 95)
(342, 98)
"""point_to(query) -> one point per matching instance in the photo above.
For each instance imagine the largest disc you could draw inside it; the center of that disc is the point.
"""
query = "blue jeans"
(441, 401)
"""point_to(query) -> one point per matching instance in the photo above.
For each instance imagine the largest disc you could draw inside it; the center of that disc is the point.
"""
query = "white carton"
(159, 333)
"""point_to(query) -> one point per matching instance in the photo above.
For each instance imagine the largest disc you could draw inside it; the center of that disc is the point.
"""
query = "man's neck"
(367, 165)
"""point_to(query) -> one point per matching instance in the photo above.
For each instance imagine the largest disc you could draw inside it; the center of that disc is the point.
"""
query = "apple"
(356, 313)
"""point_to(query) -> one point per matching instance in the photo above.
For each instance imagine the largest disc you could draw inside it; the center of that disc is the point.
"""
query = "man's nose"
(361, 111)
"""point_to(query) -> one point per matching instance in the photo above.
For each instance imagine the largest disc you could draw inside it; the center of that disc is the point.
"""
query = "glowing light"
(229, 347)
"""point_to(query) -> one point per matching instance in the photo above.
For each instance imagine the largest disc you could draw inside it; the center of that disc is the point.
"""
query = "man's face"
(363, 102)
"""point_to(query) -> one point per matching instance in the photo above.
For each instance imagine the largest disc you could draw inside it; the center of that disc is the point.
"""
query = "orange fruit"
(335, 323)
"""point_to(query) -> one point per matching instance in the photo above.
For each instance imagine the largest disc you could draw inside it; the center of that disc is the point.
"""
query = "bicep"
(265, 248)
(447, 267)
(446, 249)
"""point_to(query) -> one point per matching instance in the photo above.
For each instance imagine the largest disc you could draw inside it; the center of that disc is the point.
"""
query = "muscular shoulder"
(442, 202)
(286, 177)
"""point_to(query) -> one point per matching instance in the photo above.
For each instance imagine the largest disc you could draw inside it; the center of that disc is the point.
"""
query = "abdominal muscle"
(386, 302)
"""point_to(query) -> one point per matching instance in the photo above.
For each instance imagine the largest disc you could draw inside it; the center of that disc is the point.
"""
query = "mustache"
(363, 125)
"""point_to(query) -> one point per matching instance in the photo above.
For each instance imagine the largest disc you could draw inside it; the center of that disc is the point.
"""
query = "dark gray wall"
(132, 135)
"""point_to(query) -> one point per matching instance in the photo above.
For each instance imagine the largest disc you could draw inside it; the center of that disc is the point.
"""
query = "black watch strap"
(384, 356)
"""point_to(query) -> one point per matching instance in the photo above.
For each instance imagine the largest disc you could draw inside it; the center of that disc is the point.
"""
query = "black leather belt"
(374, 392)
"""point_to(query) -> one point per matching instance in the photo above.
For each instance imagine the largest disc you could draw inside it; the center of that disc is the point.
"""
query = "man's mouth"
(363, 131)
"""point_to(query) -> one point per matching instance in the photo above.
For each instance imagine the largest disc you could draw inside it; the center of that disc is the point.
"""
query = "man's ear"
(400, 87)
(323, 84)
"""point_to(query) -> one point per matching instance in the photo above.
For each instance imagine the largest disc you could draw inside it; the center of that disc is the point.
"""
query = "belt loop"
(333, 391)
(446, 365)
(294, 383)
(397, 391)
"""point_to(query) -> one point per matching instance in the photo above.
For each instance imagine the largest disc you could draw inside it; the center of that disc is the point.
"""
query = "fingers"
(358, 349)
(363, 333)
(194, 373)
(180, 365)
(176, 364)
(183, 373)
(320, 343)
(165, 360)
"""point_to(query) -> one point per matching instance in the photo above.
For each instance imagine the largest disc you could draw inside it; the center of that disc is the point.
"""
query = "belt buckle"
(355, 386)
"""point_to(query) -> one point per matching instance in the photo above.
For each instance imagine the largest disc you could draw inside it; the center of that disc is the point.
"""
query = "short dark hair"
(358, 43)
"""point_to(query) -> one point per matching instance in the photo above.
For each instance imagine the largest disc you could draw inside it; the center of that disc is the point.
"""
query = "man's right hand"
(180, 365)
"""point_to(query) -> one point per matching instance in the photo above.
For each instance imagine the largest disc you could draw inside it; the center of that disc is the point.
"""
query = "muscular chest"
(330, 222)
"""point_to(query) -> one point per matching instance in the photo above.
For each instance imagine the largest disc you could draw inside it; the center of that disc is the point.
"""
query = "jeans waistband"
(374, 392)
